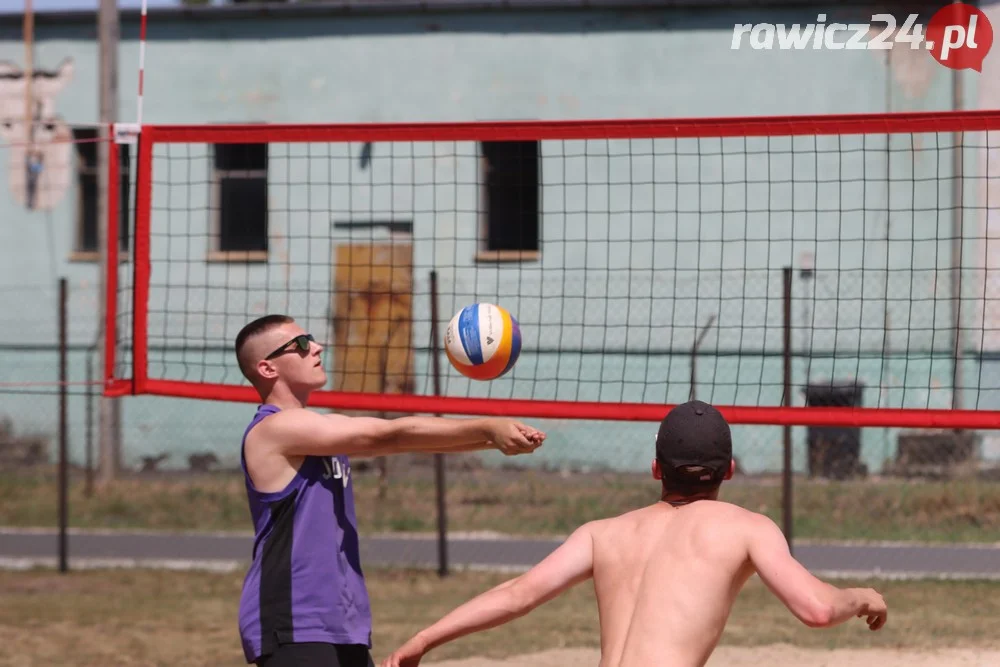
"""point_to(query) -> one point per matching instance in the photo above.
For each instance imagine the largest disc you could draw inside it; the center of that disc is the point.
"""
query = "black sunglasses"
(301, 343)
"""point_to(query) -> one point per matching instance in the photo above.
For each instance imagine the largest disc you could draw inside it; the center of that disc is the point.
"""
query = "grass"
(521, 502)
(134, 617)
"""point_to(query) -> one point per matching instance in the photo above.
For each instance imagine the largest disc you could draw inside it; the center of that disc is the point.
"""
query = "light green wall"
(545, 65)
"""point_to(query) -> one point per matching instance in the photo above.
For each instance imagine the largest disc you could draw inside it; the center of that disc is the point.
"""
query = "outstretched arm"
(814, 602)
(302, 432)
(565, 567)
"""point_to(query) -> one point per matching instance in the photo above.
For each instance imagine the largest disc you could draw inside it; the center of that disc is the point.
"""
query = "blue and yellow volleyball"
(483, 341)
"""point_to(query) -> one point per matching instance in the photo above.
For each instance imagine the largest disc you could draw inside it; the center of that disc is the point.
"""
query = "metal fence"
(179, 471)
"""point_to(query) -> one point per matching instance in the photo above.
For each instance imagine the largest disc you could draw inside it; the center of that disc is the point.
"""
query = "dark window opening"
(512, 195)
(241, 195)
(85, 140)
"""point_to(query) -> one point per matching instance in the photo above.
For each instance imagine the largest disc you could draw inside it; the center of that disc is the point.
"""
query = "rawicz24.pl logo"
(958, 35)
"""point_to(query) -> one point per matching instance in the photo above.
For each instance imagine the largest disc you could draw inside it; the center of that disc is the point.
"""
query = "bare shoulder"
(742, 516)
(723, 508)
(618, 529)
(733, 520)
(284, 418)
(286, 423)
(591, 530)
(617, 522)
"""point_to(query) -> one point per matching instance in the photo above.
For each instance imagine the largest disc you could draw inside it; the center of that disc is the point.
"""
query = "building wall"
(491, 66)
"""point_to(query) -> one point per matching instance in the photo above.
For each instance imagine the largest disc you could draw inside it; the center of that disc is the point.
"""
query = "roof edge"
(388, 7)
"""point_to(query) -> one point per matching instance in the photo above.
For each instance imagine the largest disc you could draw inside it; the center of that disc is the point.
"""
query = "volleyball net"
(759, 264)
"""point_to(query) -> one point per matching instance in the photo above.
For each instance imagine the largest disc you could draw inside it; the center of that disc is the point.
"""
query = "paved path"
(31, 547)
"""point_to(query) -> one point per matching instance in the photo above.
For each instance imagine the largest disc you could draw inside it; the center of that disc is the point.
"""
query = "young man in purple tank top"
(304, 599)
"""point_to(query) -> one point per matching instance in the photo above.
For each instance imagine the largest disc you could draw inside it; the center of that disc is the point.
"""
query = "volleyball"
(483, 341)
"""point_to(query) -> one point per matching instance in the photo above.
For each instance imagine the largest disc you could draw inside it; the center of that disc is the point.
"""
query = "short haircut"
(258, 326)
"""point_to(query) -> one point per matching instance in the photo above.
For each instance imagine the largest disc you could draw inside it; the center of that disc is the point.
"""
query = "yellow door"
(373, 316)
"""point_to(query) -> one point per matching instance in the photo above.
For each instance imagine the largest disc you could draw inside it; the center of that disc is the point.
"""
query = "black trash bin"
(834, 451)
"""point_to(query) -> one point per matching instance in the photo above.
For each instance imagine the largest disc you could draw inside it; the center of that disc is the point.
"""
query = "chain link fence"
(178, 467)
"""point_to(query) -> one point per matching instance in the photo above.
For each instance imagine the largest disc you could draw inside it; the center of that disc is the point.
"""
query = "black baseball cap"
(694, 445)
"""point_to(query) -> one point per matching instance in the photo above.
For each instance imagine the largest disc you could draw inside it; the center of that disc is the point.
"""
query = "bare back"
(666, 578)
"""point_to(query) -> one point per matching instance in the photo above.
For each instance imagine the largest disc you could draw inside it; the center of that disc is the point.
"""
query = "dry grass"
(523, 502)
(141, 617)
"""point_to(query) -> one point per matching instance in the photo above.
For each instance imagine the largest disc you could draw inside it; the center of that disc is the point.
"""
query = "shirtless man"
(666, 575)
(305, 601)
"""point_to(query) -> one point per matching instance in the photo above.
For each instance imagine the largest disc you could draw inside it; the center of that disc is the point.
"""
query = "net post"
(63, 434)
(141, 265)
(439, 481)
(786, 401)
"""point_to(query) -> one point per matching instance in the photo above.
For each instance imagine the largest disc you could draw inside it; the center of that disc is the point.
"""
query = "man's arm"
(814, 602)
(565, 567)
(302, 432)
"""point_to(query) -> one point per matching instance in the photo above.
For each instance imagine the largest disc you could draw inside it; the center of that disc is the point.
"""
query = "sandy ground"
(779, 655)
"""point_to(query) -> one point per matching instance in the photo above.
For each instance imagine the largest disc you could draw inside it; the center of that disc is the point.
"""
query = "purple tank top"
(305, 582)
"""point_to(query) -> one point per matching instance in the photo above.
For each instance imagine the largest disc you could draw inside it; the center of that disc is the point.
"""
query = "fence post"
(439, 481)
(63, 432)
(786, 478)
(88, 486)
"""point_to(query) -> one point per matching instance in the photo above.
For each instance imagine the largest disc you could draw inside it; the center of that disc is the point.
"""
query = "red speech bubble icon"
(959, 36)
